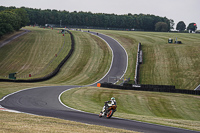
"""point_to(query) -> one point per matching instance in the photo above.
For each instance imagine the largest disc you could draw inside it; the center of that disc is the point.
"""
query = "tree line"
(12, 20)
(129, 21)
(145, 22)
(181, 26)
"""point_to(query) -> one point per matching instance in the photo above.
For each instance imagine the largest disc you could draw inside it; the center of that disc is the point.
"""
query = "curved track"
(45, 100)
(119, 61)
(14, 37)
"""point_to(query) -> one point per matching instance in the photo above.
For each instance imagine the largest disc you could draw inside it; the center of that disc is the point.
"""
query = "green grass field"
(163, 63)
(177, 110)
(32, 53)
(90, 61)
(24, 123)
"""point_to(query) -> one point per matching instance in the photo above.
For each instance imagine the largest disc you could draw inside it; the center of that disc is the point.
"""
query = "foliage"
(161, 26)
(12, 19)
(5, 28)
(23, 15)
(192, 26)
(181, 26)
(88, 19)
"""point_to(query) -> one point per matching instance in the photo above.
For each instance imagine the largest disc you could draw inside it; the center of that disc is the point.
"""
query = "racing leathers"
(108, 104)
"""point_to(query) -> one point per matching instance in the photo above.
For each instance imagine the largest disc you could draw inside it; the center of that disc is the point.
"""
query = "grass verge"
(24, 123)
(177, 110)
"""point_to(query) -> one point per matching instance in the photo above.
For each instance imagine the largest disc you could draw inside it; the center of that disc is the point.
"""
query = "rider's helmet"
(112, 98)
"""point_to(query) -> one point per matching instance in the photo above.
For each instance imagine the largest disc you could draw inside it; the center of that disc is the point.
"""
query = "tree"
(23, 15)
(144, 22)
(148, 23)
(6, 23)
(12, 19)
(181, 26)
(161, 26)
(192, 27)
(6, 28)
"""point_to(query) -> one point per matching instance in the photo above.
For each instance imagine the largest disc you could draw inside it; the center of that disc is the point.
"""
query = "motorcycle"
(109, 111)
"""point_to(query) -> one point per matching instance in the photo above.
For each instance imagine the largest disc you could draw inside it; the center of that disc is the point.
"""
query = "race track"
(45, 100)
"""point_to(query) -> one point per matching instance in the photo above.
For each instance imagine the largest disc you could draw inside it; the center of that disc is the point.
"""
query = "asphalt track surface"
(45, 101)
(14, 37)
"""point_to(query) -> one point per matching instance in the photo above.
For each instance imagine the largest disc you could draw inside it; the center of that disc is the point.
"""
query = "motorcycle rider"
(105, 107)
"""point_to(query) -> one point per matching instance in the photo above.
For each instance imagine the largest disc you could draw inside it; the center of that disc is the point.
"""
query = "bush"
(161, 26)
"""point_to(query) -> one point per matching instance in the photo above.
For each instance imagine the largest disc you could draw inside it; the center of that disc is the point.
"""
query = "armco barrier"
(138, 62)
(155, 88)
(53, 73)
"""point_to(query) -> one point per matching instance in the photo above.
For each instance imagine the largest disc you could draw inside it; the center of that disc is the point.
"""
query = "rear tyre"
(110, 113)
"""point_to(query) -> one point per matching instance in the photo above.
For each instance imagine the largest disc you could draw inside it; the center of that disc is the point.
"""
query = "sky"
(178, 10)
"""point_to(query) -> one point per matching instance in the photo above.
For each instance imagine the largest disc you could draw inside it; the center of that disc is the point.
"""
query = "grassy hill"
(167, 64)
(90, 61)
(34, 53)
(163, 63)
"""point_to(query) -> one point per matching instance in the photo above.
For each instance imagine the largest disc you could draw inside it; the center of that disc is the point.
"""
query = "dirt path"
(13, 37)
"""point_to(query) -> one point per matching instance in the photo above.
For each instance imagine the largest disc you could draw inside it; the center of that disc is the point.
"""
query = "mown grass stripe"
(178, 110)
(163, 63)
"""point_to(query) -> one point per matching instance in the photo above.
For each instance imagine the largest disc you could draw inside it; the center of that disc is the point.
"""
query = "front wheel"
(110, 113)
(100, 115)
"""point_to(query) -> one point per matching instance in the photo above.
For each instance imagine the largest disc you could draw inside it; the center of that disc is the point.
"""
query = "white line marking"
(197, 87)
(20, 91)
(126, 56)
(59, 98)
(8, 110)
(111, 61)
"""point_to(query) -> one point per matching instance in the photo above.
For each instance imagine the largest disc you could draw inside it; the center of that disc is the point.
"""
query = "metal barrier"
(138, 62)
(155, 88)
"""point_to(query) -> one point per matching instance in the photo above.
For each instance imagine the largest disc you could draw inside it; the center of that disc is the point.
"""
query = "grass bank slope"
(163, 63)
(177, 110)
(34, 53)
(89, 63)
